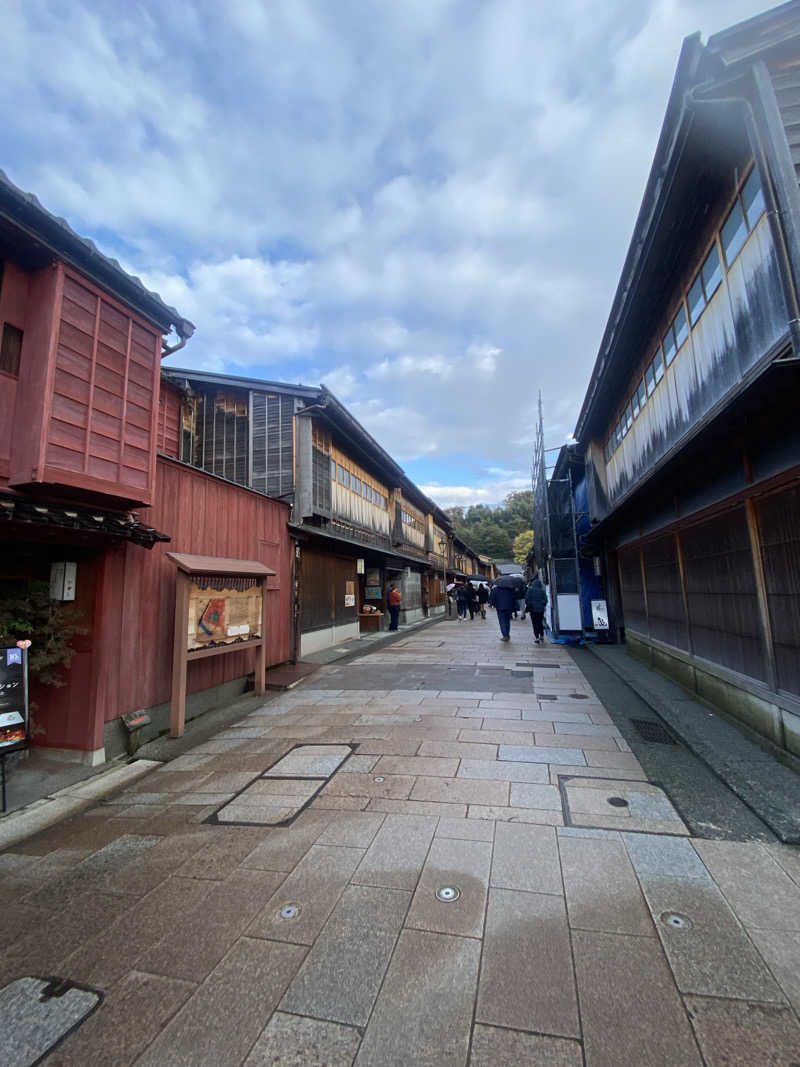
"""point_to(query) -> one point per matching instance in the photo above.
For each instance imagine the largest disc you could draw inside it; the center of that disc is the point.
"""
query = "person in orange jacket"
(394, 599)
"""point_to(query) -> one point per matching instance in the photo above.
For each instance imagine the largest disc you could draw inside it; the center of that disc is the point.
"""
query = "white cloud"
(427, 208)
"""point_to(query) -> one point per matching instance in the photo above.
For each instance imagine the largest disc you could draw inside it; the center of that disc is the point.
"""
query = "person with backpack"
(394, 600)
(536, 602)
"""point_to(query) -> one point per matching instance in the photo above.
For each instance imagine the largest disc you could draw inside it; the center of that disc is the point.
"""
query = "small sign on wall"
(599, 615)
(63, 577)
(349, 594)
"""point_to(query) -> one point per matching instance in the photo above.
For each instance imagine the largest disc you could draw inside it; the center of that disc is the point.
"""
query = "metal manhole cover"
(618, 802)
(37, 1013)
(546, 696)
(653, 732)
(448, 893)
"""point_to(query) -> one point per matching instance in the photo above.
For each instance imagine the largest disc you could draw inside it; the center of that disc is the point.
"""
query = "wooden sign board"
(222, 616)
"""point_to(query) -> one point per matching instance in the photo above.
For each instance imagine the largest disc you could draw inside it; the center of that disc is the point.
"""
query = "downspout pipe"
(184, 329)
(781, 211)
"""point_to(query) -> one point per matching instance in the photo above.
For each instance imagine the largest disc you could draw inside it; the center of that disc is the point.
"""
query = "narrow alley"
(442, 852)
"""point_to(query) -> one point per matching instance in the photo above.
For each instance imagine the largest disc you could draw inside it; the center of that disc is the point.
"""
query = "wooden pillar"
(761, 592)
(261, 652)
(644, 588)
(177, 714)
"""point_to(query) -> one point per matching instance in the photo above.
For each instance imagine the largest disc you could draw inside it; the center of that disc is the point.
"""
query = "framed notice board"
(13, 699)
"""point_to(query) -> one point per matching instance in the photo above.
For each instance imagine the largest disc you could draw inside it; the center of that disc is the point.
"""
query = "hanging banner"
(13, 699)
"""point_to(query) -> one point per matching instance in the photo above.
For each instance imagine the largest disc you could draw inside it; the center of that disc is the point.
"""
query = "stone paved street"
(487, 878)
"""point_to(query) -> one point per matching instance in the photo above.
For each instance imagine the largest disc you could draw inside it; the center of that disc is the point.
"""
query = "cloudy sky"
(424, 204)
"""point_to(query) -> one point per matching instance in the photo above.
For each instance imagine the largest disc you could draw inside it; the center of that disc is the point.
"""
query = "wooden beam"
(177, 714)
(761, 591)
(261, 654)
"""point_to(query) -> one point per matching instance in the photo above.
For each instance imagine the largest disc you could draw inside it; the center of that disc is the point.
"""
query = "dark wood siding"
(779, 529)
(630, 575)
(169, 421)
(665, 610)
(323, 588)
(721, 593)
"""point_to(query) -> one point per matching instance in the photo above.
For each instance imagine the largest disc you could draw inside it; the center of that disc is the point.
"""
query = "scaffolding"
(555, 537)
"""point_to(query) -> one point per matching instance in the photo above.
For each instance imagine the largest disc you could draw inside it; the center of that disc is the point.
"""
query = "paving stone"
(167, 780)
(567, 727)
(465, 829)
(389, 747)
(526, 795)
(358, 764)
(526, 858)
(458, 749)
(523, 815)
(202, 799)
(601, 888)
(342, 973)
(665, 857)
(238, 996)
(756, 887)
(494, 1047)
(283, 848)
(503, 770)
(292, 1041)
(282, 787)
(423, 1014)
(545, 714)
(431, 765)
(417, 807)
(526, 973)
(395, 857)
(585, 742)
(460, 863)
(42, 949)
(781, 951)
(199, 940)
(540, 754)
(740, 1034)
(102, 960)
(498, 737)
(310, 761)
(95, 870)
(643, 1022)
(615, 760)
(592, 802)
(460, 791)
(352, 830)
(314, 887)
(582, 831)
(396, 786)
(713, 956)
(787, 857)
(496, 714)
(325, 802)
(270, 811)
(560, 770)
(132, 1014)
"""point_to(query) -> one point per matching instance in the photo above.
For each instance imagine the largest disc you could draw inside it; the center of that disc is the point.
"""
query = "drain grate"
(653, 732)
(549, 666)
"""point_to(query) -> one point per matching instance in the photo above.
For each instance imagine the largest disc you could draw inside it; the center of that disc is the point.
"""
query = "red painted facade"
(127, 597)
(87, 395)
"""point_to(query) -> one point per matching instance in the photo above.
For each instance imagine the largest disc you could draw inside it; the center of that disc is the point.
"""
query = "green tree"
(489, 538)
(522, 545)
(50, 626)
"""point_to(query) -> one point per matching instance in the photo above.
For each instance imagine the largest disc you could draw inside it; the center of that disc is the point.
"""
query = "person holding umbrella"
(505, 592)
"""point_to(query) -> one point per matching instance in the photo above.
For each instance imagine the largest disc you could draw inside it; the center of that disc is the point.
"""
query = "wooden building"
(689, 424)
(358, 521)
(81, 344)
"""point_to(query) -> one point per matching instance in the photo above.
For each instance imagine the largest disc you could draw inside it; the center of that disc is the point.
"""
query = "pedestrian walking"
(483, 598)
(536, 602)
(394, 599)
(503, 598)
(472, 600)
(462, 600)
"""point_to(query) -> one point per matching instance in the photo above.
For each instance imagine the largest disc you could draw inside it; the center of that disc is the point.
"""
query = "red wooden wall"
(169, 420)
(128, 596)
(88, 392)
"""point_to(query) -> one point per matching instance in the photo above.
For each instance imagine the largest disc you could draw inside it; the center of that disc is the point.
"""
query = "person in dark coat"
(462, 599)
(472, 600)
(536, 602)
(483, 598)
(503, 598)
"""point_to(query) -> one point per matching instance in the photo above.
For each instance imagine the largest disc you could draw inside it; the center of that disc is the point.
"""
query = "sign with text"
(13, 699)
(599, 615)
(222, 616)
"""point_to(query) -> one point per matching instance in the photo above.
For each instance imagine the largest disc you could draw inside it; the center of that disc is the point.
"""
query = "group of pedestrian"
(505, 599)
(469, 599)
